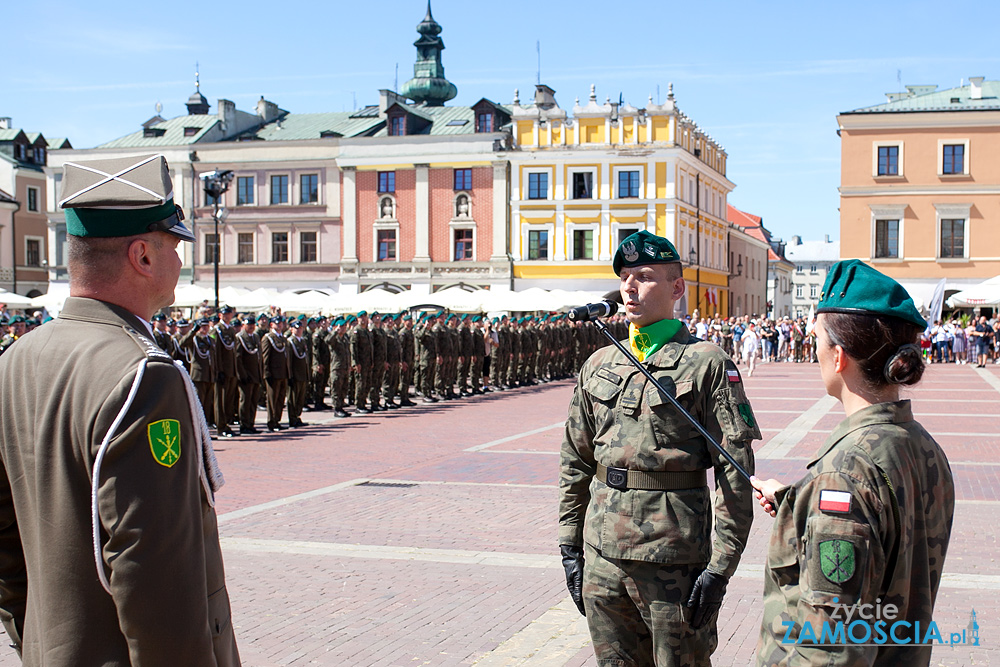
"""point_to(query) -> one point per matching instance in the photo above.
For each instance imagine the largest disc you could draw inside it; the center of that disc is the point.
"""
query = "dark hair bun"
(906, 366)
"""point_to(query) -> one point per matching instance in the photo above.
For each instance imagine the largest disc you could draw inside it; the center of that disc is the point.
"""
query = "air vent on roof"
(366, 112)
(956, 100)
(153, 132)
(458, 122)
(191, 131)
(328, 134)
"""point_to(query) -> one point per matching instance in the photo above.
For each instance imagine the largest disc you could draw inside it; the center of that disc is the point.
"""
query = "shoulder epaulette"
(149, 348)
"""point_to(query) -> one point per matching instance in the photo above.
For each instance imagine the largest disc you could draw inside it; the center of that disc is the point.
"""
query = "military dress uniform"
(274, 355)
(107, 503)
(226, 385)
(408, 358)
(870, 522)
(361, 356)
(298, 376)
(393, 353)
(634, 496)
(248, 369)
(201, 352)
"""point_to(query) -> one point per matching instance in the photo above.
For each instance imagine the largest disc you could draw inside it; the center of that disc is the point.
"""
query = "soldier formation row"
(368, 361)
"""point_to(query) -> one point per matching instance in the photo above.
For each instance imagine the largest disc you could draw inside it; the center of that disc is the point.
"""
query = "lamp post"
(216, 183)
(692, 258)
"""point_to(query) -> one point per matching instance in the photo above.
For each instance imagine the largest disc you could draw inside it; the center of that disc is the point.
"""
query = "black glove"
(572, 560)
(706, 597)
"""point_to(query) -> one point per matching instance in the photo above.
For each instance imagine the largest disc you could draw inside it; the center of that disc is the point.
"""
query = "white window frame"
(617, 227)
(41, 251)
(641, 168)
(888, 212)
(319, 189)
(453, 227)
(967, 157)
(899, 158)
(580, 227)
(595, 183)
(295, 254)
(236, 230)
(271, 231)
(951, 212)
(550, 227)
(270, 185)
(527, 180)
(38, 199)
(383, 225)
(255, 188)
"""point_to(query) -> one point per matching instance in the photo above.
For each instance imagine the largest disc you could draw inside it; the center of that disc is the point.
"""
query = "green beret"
(362, 313)
(17, 319)
(644, 248)
(854, 287)
(121, 197)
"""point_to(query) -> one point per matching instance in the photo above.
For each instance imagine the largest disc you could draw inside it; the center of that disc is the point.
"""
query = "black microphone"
(592, 311)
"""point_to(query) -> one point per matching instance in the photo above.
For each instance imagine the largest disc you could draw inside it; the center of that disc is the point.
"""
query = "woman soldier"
(867, 528)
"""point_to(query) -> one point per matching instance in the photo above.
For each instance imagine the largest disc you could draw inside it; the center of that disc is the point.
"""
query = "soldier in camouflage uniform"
(870, 522)
(446, 353)
(407, 360)
(514, 356)
(320, 362)
(361, 360)
(429, 357)
(340, 366)
(379, 364)
(500, 354)
(478, 355)
(636, 514)
(464, 355)
(393, 354)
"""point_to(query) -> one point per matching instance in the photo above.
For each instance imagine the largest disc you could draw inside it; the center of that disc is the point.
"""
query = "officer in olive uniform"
(478, 355)
(248, 374)
(226, 385)
(635, 512)
(298, 372)
(274, 360)
(111, 546)
(446, 353)
(464, 355)
(160, 334)
(201, 351)
(379, 363)
(870, 522)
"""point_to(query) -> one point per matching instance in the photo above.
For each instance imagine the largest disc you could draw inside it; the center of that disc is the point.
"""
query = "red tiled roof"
(742, 218)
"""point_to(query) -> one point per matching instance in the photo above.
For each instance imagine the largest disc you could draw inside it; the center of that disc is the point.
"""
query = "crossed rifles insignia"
(165, 441)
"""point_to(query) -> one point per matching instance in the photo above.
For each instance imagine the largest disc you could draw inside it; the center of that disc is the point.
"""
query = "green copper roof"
(928, 98)
(301, 126)
(429, 85)
(173, 133)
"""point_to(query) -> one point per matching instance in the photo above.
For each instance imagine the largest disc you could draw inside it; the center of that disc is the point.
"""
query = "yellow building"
(582, 182)
(920, 186)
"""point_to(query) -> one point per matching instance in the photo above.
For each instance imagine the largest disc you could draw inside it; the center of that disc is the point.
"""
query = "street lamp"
(216, 183)
(692, 260)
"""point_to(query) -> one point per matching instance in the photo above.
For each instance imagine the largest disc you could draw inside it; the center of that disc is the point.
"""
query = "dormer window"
(397, 126)
(191, 131)
(484, 122)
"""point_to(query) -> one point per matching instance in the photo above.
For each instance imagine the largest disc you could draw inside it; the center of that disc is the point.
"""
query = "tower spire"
(197, 105)
(429, 85)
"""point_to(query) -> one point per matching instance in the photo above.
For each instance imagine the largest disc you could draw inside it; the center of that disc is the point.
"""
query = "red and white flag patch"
(734, 375)
(834, 501)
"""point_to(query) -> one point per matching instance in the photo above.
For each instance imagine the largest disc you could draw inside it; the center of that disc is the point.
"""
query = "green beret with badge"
(643, 248)
(854, 287)
(121, 197)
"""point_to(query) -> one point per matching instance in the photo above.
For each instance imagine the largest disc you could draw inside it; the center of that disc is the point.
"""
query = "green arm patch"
(747, 414)
(837, 560)
(165, 441)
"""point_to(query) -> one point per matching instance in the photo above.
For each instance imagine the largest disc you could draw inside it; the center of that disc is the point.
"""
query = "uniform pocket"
(837, 553)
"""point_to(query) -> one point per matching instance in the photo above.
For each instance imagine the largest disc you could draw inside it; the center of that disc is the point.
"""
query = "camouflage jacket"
(870, 521)
(617, 418)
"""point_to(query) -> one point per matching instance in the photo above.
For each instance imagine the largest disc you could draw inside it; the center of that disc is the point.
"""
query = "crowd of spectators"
(963, 341)
(750, 339)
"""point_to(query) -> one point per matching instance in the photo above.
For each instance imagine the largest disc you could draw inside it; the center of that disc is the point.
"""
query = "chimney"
(796, 240)
(6, 123)
(826, 238)
(267, 111)
(976, 87)
(227, 114)
(386, 98)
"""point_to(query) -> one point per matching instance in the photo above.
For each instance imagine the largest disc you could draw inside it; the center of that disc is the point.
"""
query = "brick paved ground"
(427, 536)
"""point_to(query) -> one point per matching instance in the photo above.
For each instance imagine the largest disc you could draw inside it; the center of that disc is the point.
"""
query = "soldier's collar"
(896, 412)
(672, 351)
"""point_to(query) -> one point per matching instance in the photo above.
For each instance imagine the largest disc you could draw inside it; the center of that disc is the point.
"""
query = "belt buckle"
(617, 478)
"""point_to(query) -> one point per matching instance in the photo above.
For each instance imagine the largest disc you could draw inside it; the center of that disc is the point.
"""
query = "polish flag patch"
(734, 376)
(834, 501)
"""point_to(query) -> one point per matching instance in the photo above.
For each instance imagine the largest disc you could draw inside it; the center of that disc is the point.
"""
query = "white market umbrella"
(191, 295)
(986, 293)
(16, 300)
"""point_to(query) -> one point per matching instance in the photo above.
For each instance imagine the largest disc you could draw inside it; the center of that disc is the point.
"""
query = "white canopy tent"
(986, 293)
(15, 300)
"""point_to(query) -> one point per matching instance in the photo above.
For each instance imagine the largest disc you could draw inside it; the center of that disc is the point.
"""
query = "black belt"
(624, 479)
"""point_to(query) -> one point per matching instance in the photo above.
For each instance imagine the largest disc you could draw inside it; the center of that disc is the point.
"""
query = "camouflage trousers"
(637, 615)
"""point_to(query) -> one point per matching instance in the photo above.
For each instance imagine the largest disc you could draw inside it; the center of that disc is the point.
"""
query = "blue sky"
(766, 80)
